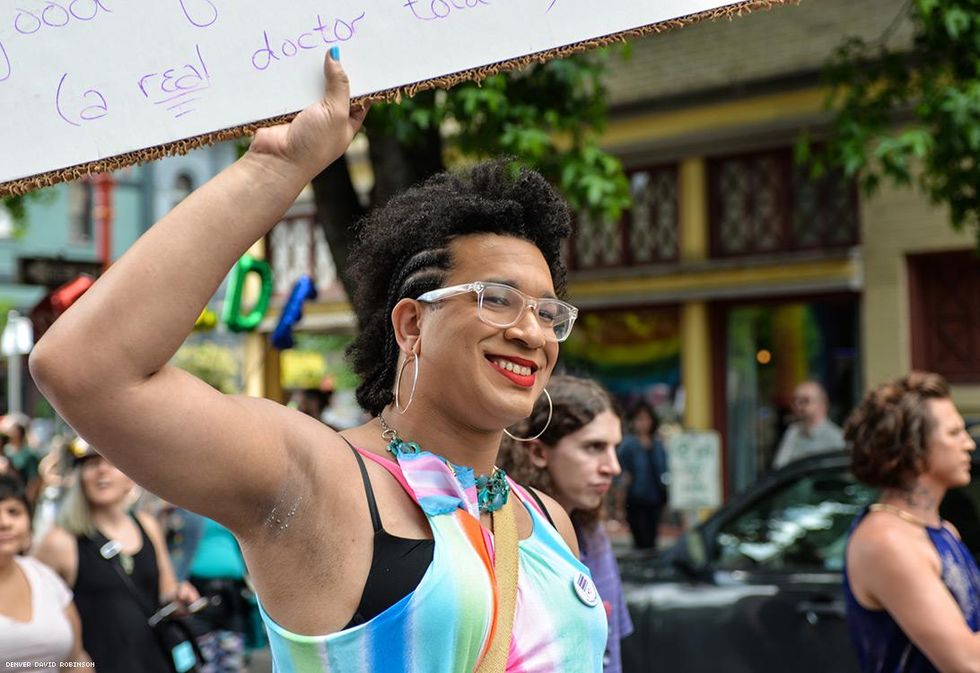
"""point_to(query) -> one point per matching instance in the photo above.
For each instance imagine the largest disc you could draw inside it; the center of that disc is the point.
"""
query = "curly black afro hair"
(402, 250)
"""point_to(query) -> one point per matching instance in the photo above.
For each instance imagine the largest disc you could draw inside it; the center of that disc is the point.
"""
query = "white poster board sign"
(694, 459)
(90, 85)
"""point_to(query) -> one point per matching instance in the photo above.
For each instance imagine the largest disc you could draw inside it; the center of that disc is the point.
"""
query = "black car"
(757, 588)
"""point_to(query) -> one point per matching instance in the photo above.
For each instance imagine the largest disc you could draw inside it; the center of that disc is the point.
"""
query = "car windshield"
(801, 526)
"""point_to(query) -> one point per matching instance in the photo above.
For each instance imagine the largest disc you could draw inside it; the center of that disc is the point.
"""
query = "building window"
(944, 297)
(297, 247)
(80, 202)
(652, 221)
(646, 234)
(764, 203)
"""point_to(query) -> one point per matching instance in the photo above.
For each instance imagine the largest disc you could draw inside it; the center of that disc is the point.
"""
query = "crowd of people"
(89, 560)
(461, 527)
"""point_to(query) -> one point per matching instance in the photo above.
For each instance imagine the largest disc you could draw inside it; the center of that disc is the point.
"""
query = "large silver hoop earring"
(551, 409)
(398, 385)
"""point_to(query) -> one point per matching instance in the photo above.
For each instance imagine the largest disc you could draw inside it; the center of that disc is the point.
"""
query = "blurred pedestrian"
(217, 570)
(642, 491)
(574, 461)
(811, 432)
(39, 624)
(912, 588)
(16, 448)
(95, 532)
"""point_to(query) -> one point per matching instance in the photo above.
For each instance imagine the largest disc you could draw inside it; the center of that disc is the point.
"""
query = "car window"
(800, 526)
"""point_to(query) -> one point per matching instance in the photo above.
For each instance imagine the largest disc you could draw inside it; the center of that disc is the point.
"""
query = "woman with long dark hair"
(573, 460)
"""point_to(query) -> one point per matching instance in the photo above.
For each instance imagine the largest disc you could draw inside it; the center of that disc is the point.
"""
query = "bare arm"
(103, 364)
(59, 551)
(906, 582)
(78, 653)
(170, 588)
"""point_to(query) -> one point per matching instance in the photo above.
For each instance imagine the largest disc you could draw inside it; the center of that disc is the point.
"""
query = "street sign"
(53, 272)
(694, 459)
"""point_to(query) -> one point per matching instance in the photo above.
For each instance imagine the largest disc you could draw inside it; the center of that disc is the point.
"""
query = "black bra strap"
(537, 499)
(372, 504)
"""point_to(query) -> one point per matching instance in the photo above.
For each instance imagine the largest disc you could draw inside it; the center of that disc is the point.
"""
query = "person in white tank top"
(38, 621)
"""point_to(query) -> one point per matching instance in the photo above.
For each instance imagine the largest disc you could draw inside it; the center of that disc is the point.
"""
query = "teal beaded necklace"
(492, 490)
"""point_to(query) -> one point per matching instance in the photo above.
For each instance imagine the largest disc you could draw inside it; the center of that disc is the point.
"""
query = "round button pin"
(585, 590)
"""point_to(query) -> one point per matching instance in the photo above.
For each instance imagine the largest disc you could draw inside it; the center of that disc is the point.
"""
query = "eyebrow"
(517, 286)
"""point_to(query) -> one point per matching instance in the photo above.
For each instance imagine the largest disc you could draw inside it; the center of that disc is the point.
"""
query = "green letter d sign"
(233, 317)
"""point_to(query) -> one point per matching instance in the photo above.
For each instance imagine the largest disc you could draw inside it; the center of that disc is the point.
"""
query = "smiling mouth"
(521, 373)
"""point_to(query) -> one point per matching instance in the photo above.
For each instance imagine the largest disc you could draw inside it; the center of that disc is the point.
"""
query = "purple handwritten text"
(89, 113)
(329, 33)
(57, 15)
(550, 5)
(4, 64)
(177, 89)
(201, 13)
(433, 10)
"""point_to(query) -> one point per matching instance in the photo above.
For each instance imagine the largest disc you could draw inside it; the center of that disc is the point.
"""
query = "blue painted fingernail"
(335, 53)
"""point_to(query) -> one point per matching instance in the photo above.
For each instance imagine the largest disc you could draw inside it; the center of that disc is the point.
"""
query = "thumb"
(338, 84)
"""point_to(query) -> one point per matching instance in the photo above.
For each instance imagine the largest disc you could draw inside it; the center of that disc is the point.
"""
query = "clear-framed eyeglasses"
(502, 306)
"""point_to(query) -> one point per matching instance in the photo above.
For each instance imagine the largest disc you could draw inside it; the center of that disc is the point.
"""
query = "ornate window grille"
(764, 203)
(646, 234)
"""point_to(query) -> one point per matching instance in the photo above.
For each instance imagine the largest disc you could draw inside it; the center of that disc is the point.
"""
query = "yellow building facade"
(734, 277)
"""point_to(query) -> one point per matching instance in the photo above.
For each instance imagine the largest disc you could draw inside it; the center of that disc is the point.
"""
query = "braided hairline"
(424, 271)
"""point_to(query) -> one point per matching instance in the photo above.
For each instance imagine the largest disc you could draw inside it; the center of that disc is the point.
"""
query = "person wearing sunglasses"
(392, 546)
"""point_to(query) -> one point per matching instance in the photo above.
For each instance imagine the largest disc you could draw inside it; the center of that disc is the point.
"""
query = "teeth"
(511, 367)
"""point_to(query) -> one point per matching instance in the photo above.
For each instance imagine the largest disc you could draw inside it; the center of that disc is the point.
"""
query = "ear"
(406, 320)
(538, 454)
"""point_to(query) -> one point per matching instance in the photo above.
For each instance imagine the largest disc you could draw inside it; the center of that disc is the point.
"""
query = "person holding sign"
(911, 587)
(400, 554)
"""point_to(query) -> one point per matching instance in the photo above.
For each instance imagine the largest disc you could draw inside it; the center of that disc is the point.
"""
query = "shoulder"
(57, 540)
(627, 448)
(952, 529)
(792, 429)
(562, 523)
(152, 528)
(881, 541)
(58, 550)
(830, 427)
(46, 577)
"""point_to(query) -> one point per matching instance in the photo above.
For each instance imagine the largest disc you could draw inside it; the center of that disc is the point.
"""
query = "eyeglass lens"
(502, 306)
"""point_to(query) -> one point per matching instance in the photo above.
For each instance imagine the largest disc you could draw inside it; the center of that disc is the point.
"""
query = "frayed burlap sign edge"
(31, 183)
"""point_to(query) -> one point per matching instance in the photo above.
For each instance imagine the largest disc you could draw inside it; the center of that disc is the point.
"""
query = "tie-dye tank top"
(447, 623)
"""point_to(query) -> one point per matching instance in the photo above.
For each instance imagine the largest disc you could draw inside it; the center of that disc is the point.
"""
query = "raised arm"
(103, 364)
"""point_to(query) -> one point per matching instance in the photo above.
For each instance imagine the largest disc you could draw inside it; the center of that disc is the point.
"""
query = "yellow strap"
(505, 568)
